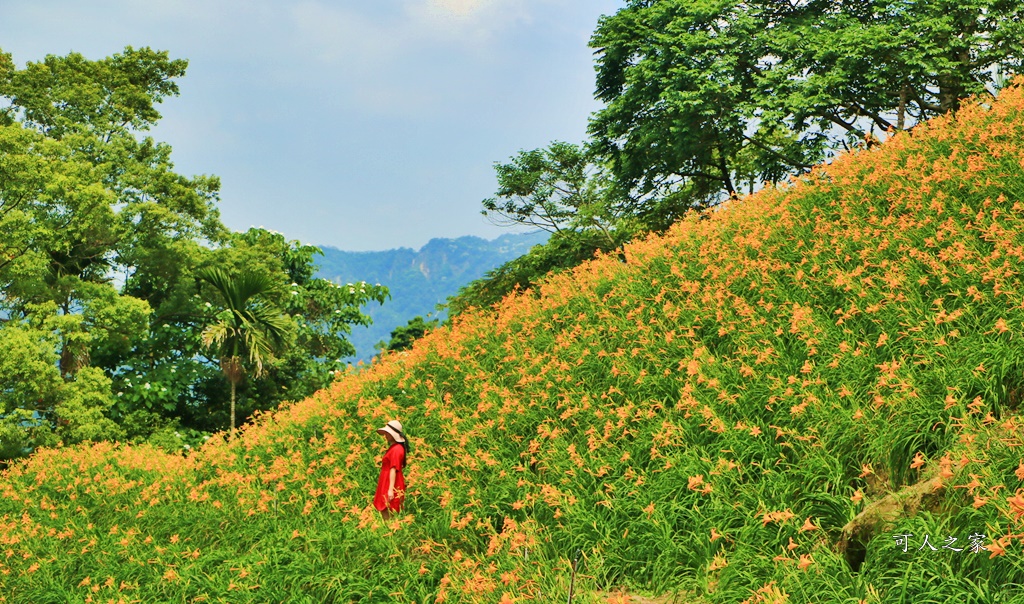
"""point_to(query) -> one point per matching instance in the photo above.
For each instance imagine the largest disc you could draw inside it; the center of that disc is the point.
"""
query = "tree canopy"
(704, 96)
(706, 99)
(101, 305)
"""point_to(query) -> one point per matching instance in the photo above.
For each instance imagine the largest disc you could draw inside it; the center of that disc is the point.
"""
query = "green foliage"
(248, 328)
(248, 331)
(28, 368)
(560, 190)
(402, 338)
(564, 250)
(323, 314)
(33, 397)
(81, 197)
(87, 202)
(703, 96)
(553, 189)
(171, 440)
(15, 436)
(82, 409)
(61, 95)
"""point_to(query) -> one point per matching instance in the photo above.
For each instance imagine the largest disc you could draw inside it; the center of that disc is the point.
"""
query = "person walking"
(391, 484)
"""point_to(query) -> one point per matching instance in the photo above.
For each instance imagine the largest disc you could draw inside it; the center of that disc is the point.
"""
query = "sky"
(363, 125)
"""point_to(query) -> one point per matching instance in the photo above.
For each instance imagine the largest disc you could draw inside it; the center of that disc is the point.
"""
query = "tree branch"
(882, 123)
(764, 147)
(832, 117)
(700, 175)
(921, 102)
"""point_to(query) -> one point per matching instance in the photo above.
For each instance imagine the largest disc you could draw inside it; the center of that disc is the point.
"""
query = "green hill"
(747, 411)
(418, 280)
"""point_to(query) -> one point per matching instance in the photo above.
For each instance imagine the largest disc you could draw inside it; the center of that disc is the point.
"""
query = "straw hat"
(394, 428)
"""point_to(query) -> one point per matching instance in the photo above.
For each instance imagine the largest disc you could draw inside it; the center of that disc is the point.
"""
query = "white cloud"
(475, 23)
(380, 59)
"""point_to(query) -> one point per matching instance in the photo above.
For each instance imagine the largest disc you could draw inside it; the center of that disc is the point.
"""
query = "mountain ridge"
(418, 279)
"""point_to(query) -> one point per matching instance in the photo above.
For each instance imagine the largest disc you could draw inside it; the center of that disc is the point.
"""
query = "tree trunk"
(901, 111)
(232, 368)
(232, 410)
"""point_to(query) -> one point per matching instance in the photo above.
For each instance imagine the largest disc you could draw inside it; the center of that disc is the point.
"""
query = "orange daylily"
(805, 561)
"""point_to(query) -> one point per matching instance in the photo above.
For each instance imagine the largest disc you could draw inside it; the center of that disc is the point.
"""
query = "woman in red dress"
(391, 484)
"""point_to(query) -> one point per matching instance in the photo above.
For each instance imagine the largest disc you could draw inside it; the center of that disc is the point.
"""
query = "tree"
(39, 406)
(323, 313)
(403, 337)
(100, 248)
(564, 190)
(248, 331)
(703, 94)
(83, 198)
(186, 384)
(557, 188)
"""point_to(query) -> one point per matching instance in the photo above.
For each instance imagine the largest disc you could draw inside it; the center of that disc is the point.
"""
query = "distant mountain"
(418, 281)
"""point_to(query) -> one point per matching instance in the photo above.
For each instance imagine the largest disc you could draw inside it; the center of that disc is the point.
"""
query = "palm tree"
(250, 330)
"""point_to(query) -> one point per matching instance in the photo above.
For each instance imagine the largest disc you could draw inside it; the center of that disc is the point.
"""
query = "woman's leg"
(386, 513)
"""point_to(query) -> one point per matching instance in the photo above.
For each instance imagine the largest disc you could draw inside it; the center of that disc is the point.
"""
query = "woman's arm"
(391, 484)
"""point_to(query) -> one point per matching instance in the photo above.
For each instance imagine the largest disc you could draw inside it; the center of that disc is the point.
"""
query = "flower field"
(774, 405)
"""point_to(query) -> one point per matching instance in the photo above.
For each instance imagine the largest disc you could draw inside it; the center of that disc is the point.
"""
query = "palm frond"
(256, 328)
(215, 335)
(217, 277)
(237, 290)
(274, 323)
(259, 348)
(251, 284)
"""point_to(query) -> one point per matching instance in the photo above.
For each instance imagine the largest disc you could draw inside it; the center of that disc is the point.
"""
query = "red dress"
(394, 458)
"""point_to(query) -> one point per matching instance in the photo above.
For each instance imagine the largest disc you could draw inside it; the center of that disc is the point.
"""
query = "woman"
(391, 484)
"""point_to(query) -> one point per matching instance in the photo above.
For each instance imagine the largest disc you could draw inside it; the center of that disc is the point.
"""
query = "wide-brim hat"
(394, 428)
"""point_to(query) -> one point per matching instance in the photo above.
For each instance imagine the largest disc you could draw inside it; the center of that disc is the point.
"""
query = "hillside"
(418, 280)
(747, 411)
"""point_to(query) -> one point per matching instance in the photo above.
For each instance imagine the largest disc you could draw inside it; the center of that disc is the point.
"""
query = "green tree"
(39, 406)
(85, 198)
(701, 95)
(403, 337)
(101, 245)
(544, 188)
(560, 189)
(323, 313)
(557, 188)
(249, 331)
(185, 386)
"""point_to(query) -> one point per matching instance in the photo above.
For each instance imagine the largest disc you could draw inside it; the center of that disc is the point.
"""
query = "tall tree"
(249, 331)
(557, 188)
(701, 95)
(100, 241)
(561, 189)
(81, 194)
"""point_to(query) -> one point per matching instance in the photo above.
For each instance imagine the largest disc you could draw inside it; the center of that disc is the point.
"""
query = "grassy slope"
(707, 418)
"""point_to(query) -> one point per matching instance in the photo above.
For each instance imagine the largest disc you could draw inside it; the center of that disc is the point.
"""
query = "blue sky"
(365, 125)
